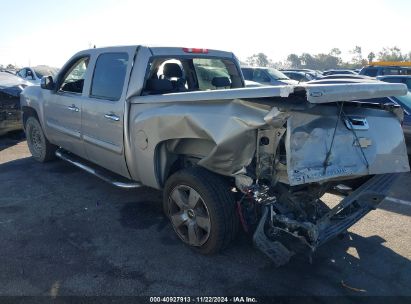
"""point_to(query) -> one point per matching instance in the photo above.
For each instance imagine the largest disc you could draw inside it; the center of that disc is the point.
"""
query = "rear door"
(63, 107)
(103, 110)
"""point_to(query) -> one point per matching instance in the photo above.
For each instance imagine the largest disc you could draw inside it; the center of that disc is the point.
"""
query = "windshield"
(276, 74)
(405, 101)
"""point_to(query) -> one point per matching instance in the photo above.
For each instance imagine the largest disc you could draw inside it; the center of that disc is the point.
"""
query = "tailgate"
(366, 141)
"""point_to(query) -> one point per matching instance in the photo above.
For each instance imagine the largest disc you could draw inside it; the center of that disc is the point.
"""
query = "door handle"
(112, 117)
(73, 108)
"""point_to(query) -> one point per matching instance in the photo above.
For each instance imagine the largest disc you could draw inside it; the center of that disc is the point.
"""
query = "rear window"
(207, 70)
(185, 74)
(109, 76)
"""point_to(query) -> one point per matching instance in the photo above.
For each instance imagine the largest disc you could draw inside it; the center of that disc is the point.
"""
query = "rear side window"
(109, 76)
(372, 72)
(390, 71)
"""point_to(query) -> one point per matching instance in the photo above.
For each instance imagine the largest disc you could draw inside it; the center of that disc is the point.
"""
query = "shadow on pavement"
(11, 139)
(67, 226)
(356, 265)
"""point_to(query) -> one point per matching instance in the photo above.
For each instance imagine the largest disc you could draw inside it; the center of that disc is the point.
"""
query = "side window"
(248, 74)
(308, 77)
(73, 80)
(260, 76)
(22, 73)
(372, 72)
(403, 72)
(109, 76)
(298, 77)
(390, 71)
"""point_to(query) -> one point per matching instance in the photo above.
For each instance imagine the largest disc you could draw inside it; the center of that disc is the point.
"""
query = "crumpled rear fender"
(229, 125)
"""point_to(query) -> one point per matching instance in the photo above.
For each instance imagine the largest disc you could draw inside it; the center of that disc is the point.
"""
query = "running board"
(112, 178)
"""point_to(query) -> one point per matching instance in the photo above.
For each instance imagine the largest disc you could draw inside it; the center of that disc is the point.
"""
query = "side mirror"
(47, 83)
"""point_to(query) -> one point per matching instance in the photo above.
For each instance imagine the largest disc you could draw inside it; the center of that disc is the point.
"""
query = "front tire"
(40, 148)
(201, 209)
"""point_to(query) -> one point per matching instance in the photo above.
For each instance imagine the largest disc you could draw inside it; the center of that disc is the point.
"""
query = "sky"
(50, 32)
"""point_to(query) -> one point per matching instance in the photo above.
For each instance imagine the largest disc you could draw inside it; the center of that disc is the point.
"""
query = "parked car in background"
(313, 73)
(34, 74)
(339, 72)
(251, 84)
(267, 76)
(380, 69)
(345, 76)
(405, 102)
(299, 76)
(10, 71)
(10, 114)
(405, 79)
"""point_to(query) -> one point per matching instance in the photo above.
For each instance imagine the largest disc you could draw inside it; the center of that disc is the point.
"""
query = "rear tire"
(40, 148)
(201, 209)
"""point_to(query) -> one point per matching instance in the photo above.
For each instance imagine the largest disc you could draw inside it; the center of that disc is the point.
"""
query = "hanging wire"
(357, 141)
(327, 157)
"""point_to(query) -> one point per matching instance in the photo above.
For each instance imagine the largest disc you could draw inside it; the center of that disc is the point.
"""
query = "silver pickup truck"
(181, 120)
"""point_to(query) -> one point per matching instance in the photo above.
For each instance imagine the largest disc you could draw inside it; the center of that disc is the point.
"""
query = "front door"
(63, 109)
(103, 110)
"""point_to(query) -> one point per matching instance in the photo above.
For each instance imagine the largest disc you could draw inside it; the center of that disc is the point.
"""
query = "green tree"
(371, 57)
(294, 61)
(335, 52)
(391, 54)
(10, 66)
(308, 60)
(259, 59)
(326, 61)
(357, 55)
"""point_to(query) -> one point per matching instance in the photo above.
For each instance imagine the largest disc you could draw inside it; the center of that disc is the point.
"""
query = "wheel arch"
(29, 112)
(176, 154)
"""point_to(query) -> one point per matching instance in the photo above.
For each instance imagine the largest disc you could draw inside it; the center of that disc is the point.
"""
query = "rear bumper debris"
(280, 237)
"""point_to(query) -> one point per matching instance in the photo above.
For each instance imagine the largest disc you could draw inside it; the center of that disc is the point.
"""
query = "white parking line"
(399, 201)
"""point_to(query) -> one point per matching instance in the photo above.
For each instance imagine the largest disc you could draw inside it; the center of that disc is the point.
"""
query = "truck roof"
(170, 51)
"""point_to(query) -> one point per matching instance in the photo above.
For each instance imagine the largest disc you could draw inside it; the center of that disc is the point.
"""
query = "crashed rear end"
(282, 147)
(320, 139)
(10, 113)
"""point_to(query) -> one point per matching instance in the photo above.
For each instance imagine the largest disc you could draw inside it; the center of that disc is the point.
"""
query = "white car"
(35, 74)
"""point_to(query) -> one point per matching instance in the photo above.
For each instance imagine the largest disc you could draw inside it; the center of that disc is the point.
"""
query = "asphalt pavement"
(65, 232)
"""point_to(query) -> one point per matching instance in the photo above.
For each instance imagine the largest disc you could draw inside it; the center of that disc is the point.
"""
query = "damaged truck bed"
(182, 121)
